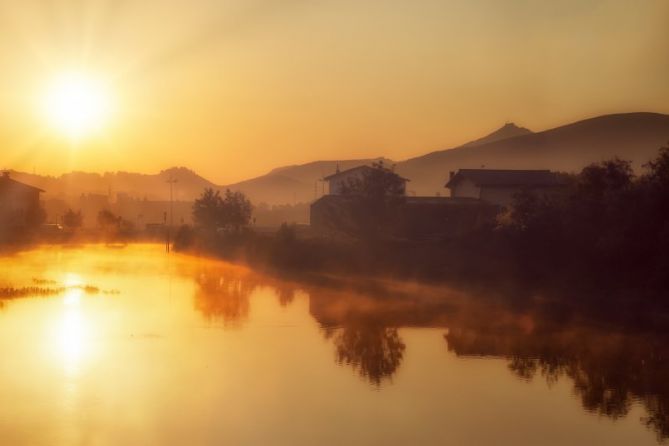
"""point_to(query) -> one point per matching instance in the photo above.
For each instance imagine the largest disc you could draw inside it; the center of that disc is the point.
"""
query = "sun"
(77, 104)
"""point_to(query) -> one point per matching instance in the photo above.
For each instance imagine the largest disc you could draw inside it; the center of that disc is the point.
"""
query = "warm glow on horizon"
(77, 105)
(233, 89)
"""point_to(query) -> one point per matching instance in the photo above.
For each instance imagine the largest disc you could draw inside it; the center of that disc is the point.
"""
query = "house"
(340, 180)
(499, 187)
(19, 202)
(412, 218)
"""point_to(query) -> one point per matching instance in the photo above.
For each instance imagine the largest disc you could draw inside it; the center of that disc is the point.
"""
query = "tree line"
(611, 225)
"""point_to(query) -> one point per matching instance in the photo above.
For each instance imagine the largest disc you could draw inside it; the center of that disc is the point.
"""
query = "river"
(129, 345)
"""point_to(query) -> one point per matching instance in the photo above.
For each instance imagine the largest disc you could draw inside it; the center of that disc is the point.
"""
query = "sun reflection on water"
(71, 333)
(72, 280)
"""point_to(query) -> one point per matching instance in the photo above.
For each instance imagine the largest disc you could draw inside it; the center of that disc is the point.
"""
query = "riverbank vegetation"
(607, 235)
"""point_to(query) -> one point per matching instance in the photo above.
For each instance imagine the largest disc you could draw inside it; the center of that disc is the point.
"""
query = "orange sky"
(234, 88)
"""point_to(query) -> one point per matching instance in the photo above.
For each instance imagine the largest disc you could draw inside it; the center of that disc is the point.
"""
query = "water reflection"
(305, 342)
(609, 370)
(363, 327)
(223, 293)
(285, 293)
(373, 350)
(610, 367)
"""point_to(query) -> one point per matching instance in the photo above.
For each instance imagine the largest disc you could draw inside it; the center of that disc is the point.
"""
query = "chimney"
(5, 174)
(451, 174)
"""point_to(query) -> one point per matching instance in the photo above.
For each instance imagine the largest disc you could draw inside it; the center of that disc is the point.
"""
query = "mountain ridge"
(635, 136)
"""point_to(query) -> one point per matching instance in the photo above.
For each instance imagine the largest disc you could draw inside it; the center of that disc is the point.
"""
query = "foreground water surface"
(131, 346)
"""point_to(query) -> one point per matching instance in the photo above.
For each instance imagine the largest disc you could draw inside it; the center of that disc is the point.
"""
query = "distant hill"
(295, 184)
(633, 136)
(153, 187)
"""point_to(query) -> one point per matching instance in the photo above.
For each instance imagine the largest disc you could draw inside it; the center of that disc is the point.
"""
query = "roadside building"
(339, 181)
(499, 187)
(19, 202)
(339, 211)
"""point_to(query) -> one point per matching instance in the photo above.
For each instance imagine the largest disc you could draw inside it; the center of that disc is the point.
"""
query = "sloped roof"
(7, 182)
(353, 169)
(501, 178)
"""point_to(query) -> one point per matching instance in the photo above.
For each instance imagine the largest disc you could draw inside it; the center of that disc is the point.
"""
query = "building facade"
(339, 182)
(499, 187)
(19, 202)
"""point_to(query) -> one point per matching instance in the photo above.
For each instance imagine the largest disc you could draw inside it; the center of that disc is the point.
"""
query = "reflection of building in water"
(609, 371)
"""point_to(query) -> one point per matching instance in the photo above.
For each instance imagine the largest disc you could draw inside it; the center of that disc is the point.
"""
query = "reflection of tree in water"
(373, 350)
(610, 372)
(285, 294)
(223, 294)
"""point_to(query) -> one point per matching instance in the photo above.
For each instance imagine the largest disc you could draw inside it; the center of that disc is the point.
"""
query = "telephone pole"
(171, 182)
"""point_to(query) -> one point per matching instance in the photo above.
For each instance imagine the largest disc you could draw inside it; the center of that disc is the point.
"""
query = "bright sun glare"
(77, 104)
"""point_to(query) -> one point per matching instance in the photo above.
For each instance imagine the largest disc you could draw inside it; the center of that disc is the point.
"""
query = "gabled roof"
(354, 169)
(7, 182)
(501, 178)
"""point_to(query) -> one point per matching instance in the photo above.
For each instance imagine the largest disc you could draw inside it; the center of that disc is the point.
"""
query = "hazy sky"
(234, 88)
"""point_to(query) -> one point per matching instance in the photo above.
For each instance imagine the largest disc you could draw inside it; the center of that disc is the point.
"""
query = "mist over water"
(132, 346)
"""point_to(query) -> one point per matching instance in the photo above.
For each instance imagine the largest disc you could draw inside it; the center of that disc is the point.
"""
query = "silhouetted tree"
(376, 196)
(72, 220)
(611, 226)
(211, 211)
(378, 184)
(107, 220)
(184, 238)
(207, 209)
(236, 210)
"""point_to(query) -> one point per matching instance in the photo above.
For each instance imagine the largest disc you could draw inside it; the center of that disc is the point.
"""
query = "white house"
(338, 181)
(500, 186)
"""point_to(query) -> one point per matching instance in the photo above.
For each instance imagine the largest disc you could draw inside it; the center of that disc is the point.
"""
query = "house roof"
(6, 181)
(501, 178)
(354, 169)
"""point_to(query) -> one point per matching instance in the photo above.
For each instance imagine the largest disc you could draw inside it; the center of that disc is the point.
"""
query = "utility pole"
(171, 182)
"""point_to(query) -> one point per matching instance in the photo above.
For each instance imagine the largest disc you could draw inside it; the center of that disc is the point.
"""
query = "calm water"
(178, 350)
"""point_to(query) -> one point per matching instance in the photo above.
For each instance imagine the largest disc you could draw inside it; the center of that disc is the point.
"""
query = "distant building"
(18, 201)
(477, 196)
(338, 181)
(499, 187)
(416, 217)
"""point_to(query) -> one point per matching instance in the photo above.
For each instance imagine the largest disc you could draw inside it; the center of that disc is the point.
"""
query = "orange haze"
(234, 88)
